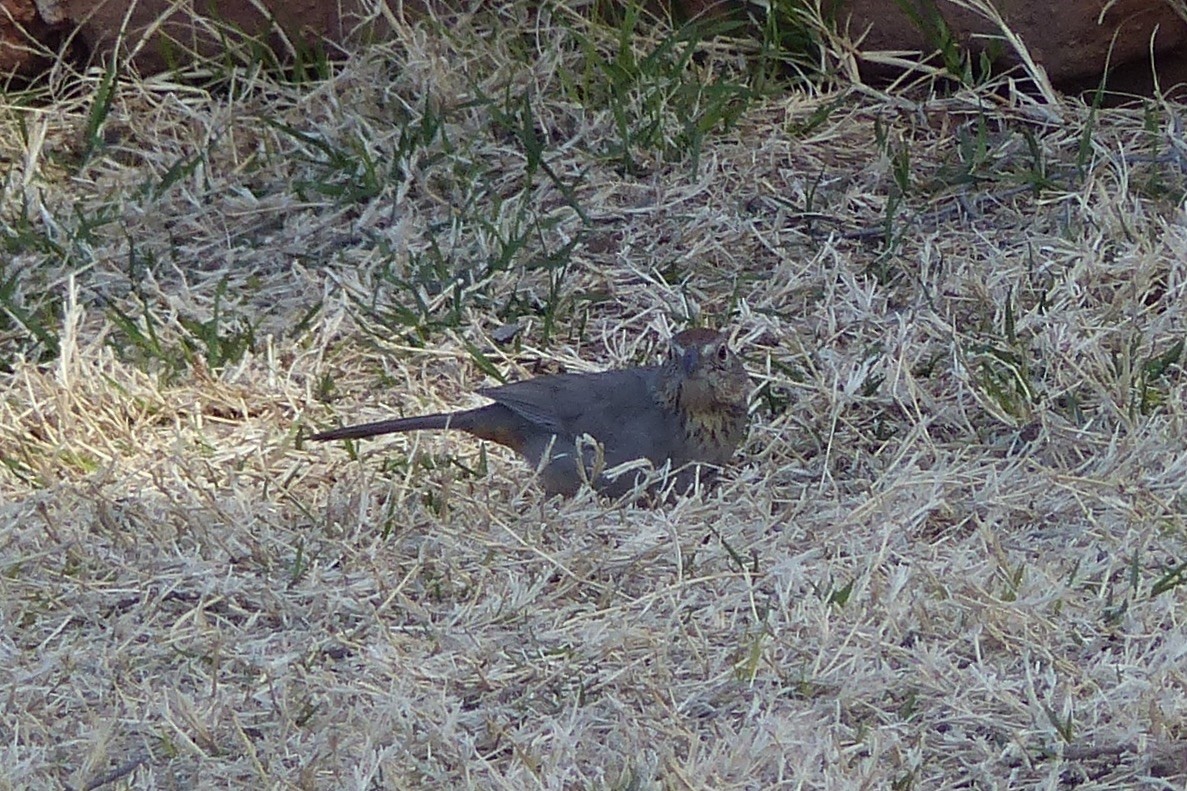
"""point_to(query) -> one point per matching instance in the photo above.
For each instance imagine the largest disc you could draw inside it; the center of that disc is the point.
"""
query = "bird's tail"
(392, 426)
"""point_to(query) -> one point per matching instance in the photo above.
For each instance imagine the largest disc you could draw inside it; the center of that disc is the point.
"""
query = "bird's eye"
(722, 353)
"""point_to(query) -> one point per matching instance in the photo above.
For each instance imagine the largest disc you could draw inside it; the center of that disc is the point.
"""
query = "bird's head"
(710, 375)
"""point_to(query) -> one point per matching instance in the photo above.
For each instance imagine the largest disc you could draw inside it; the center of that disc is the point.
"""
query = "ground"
(949, 555)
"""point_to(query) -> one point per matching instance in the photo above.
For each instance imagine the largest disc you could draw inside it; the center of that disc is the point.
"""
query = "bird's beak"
(690, 359)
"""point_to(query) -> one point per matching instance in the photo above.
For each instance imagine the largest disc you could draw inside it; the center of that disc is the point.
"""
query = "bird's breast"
(714, 435)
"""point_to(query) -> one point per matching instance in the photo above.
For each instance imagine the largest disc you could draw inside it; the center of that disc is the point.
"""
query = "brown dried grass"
(936, 567)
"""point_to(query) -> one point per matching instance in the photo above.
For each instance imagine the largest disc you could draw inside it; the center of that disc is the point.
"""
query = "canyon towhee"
(690, 410)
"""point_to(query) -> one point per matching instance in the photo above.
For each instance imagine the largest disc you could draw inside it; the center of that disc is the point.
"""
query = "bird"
(687, 412)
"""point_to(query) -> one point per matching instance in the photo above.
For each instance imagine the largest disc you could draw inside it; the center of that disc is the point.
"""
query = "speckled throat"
(715, 434)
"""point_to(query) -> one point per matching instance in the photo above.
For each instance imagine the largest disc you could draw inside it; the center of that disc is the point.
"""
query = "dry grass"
(948, 557)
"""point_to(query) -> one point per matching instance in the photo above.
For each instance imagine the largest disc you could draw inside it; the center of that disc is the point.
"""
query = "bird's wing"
(575, 404)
